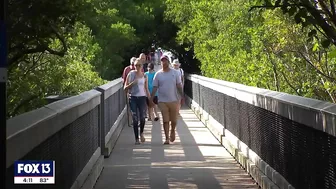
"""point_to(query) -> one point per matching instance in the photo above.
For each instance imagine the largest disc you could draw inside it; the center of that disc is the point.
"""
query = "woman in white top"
(137, 87)
(176, 65)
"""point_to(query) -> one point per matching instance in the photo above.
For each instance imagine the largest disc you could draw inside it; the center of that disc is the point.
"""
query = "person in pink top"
(128, 69)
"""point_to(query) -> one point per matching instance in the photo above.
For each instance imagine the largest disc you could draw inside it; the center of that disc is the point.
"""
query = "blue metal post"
(3, 80)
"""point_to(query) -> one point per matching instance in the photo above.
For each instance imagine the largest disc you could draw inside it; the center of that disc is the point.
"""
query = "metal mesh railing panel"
(216, 106)
(111, 110)
(71, 148)
(203, 96)
(244, 131)
(231, 115)
(306, 157)
(188, 90)
(196, 92)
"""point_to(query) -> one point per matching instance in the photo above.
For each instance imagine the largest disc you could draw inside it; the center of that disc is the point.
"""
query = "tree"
(265, 49)
(320, 14)
(59, 47)
(43, 74)
(33, 24)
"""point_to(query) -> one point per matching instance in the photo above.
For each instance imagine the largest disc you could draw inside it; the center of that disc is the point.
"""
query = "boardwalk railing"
(114, 113)
(282, 140)
(75, 132)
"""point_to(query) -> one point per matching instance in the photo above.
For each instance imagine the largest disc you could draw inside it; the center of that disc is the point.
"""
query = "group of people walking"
(148, 90)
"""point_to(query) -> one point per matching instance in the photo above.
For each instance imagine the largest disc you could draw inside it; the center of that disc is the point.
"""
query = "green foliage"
(114, 34)
(33, 24)
(319, 15)
(266, 49)
(64, 48)
(43, 74)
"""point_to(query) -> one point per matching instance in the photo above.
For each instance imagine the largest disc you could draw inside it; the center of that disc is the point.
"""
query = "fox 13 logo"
(34, 172)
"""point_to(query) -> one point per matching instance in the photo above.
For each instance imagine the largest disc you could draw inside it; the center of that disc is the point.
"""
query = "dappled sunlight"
(174, 153)
(141, 154)
(179, 185)
(203, 137)
(138, 186)
(221, 160)
(192, 120)
(188, 116)
(194, 124)
(232, 180)
(148, 140)
(138, 179)
(212, 151)
(128, 165)
(198, 129)
(138, 176)
(207, 144)
(194, 160)
(135, 151)
(141, 158)
(193, 165)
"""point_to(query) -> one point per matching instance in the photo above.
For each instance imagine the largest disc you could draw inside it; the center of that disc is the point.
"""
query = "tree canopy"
(321, 15)
(254, 43)
(67, 47)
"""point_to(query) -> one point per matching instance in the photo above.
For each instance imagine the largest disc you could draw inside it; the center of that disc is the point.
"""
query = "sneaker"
(166, 142)
(156, 119)
(142, 138)
(149, 119)
(137, 142)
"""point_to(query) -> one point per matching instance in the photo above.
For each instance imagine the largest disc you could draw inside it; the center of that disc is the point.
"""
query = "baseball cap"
(164, 57)
(176, 62)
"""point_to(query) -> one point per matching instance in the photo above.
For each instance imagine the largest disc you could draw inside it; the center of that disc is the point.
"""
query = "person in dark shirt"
(144, 62)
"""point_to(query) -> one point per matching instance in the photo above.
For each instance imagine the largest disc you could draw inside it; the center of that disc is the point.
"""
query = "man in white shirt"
(176, 65)
(169, 86)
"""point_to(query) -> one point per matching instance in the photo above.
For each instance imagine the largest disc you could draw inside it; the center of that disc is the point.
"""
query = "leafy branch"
(41, 48)
(319, 14)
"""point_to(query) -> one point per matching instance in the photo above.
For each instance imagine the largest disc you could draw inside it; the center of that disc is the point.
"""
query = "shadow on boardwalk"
(194, 160)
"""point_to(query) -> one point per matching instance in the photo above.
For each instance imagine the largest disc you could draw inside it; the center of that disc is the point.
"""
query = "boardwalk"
(194, 160)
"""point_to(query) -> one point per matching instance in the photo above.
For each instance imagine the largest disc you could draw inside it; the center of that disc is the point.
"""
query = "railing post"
(224, 104)
(111, 120)
(101, 125)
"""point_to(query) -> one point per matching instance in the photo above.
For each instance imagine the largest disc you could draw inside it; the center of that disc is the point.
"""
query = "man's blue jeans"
(138, 109)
